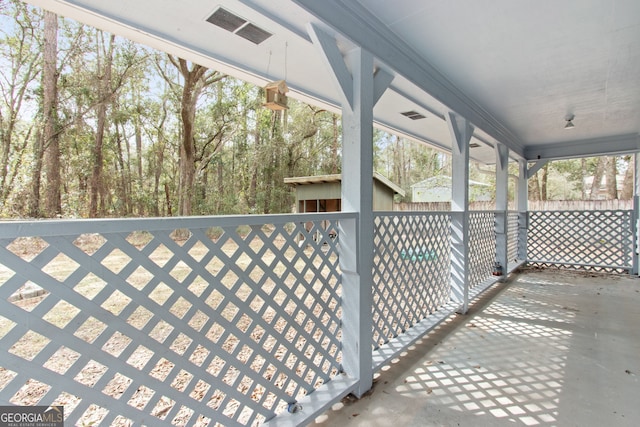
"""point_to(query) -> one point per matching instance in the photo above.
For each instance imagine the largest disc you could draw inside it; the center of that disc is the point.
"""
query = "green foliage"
(243, 151)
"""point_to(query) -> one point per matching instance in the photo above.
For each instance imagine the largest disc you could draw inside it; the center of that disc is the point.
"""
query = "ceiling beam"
(333, 58)
(608, 146)
(381, 82)
(536, 167)
(354, 21)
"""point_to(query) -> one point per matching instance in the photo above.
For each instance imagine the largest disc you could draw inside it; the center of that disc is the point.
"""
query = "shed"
(438, 189)
(323, 193)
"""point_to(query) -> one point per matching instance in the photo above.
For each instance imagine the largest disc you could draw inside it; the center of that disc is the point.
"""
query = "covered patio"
(228, 321)
(547, 347)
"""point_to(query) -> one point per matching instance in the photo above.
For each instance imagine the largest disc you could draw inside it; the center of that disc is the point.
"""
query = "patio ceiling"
(516, 70)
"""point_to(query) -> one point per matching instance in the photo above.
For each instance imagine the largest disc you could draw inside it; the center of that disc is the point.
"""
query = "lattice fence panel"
(585, 239)
(411, 271)
(512, 240)
(185, 325)
(482, 246)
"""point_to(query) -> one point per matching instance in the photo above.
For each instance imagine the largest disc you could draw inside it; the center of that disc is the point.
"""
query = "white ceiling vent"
(239, 26)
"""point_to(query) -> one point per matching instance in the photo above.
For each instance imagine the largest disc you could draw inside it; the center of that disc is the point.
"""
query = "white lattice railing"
(482, 246)
(412, 270)
(194, 321)
(581, 239)
(513, 229)
(213, 321)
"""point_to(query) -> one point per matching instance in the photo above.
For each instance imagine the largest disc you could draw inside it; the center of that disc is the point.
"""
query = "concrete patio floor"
(546, 348)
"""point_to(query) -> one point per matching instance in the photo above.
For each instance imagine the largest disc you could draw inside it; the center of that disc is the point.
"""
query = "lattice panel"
(482, 246)
(187, 325)
(592, 238)
(512, 240)
(411, 271)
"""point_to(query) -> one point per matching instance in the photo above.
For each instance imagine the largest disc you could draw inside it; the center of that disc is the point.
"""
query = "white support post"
(523, 209)
(461, 131)
(356, 238)
(360, 89)
(502, 206)
(636, 216)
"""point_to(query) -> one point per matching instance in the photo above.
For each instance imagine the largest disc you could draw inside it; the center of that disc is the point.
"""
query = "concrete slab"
(546, 348)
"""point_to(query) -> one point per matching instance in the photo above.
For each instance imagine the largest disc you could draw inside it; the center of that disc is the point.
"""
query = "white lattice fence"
(583, 239)
(189, 322)
(512, 240)
(411, 270)
(482, 246)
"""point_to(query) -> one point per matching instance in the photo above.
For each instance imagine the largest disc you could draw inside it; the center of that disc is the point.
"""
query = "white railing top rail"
(410, 213)
(63, 227)
(581, 210)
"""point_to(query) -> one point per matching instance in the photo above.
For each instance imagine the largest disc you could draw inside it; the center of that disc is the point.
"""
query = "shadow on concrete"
(546, 348)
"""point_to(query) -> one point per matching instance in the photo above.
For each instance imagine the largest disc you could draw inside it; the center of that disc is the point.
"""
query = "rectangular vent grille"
(253, 33)
(413, 115)
(225, 19)
(239, 26)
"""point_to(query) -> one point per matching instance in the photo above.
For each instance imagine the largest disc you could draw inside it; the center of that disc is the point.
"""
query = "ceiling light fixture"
(569, 124)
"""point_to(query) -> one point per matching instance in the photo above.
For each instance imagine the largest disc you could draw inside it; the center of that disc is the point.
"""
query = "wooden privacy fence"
(534, 205)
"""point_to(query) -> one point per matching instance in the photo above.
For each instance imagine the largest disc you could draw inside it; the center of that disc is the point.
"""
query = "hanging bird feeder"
(276, 95)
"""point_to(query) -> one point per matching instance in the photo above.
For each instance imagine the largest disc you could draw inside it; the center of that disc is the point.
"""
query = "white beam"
(334, 59)
(610, 146)
(352, 19)
(536, 167)
(381, 82)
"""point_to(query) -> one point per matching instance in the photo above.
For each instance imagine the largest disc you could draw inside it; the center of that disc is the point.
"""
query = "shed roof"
(322, 179)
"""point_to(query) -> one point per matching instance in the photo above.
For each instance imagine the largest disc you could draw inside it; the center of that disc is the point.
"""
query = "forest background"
(93, 125)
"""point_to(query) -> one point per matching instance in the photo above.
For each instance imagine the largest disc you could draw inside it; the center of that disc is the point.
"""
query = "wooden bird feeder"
(276, 95)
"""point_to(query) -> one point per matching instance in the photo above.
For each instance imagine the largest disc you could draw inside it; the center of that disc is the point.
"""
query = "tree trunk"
(253, 184)
(611, 177)
(159, 148)
(187, 151)
(583, 186)
(167, 196)
(195, 80)
(221, 196)
(51, 147)
(156, 179)
(125, 208)
(628, 184)
(545, 179)
(335, 145)
(36, 174)
(140, 188)
(96, 206)
(597, 179)
(534, 188)
(18, 73)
